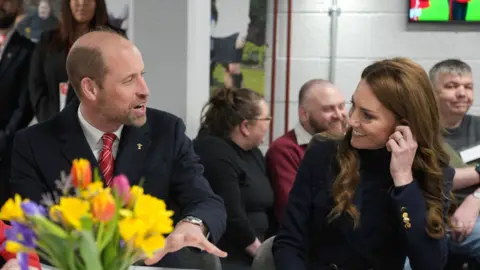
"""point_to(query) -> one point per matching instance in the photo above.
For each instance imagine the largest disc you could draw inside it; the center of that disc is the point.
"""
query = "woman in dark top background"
(48, 80)
(381, 193)
(234, 123)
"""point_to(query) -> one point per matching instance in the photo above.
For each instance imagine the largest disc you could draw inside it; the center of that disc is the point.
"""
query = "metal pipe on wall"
(334, 12)
(287, 68)
(274, 69)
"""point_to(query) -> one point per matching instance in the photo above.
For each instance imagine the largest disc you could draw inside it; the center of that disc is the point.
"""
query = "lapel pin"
(139, 145)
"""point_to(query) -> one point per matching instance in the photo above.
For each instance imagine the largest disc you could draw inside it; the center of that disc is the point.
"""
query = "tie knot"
(108, 139)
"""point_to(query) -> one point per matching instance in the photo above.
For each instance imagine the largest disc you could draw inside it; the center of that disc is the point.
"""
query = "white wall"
(367, 30)
(174, 39)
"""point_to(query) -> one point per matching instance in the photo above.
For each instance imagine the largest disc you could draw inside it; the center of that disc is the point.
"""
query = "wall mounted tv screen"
(444, 11)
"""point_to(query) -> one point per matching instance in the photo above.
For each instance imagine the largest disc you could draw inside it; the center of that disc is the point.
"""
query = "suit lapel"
(10, 53)
(74, 143)
(133, 148)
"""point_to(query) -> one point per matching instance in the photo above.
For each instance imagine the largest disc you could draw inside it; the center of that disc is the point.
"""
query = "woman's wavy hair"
(403, 87)
(66, 34)
(228, 108)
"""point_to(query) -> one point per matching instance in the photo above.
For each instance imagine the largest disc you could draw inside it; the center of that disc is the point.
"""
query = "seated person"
(453, 84)
(234, 124)
(381, 193)
(9, 260)
(321, 108)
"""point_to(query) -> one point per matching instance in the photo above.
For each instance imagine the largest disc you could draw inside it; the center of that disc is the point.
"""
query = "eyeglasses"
(268, 118)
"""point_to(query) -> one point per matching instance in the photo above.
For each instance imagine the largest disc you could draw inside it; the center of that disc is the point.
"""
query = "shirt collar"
(303, 137)
(92, 134)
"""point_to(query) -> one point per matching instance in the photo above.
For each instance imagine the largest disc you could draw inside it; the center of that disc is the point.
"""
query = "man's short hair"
(452, 66)
(306, 87)
(87, 61)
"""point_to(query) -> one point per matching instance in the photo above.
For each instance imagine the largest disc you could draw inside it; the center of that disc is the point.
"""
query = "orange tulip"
(81, 173)
(103, 206)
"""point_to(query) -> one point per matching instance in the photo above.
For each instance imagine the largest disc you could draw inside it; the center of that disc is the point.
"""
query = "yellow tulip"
(81, 173)
(12, 210)
(103, 206)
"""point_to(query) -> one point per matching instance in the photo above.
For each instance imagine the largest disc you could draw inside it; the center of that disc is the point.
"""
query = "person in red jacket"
(321, 108)
(9, 259)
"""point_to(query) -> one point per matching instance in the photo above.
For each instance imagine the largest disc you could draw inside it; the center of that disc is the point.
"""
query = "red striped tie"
(106, 160)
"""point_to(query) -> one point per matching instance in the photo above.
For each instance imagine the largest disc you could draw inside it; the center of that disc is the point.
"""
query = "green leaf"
(86, 223)
(48, 226)
(89, 252)
(111, 228)
(57, 248)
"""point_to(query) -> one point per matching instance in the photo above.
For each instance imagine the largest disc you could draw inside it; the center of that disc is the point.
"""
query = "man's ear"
(88, 88)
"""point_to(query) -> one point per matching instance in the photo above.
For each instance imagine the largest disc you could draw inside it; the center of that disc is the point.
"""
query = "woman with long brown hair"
(381, 193)
(48, 80)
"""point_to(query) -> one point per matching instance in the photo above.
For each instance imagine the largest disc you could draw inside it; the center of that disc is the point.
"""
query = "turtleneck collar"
(378, 158)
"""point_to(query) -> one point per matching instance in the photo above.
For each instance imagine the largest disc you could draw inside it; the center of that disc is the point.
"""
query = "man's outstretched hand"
(186, 235)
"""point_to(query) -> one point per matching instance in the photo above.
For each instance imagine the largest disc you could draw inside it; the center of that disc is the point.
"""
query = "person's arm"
(410, 203)
(293, 239)
(24, 178)
(192, 191)
(221, 172)
(282, 164)
(465, 177)
(37, 79)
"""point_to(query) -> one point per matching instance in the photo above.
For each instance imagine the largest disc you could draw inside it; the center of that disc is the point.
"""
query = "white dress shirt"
(94, 137)
(303, 137)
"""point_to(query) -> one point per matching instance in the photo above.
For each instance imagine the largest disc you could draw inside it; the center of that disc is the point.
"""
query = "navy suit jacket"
(15, 110)
(166, 161)
(307, 240)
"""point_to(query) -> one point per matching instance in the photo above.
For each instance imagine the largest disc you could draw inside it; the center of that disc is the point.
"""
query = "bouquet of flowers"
(88, 226)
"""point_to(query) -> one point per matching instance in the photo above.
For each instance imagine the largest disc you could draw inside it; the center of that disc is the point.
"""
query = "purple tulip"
(32, 209)
(122, 187)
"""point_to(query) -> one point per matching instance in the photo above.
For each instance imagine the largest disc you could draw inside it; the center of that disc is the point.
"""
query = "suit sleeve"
(293, 239)
(37, 81)
(282, 164)
(224, 180)
(23, 113)
(410, 203)
(24, 178)
(192, 191)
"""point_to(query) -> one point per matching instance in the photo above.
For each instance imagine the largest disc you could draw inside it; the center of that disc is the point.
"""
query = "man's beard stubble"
(319, 128)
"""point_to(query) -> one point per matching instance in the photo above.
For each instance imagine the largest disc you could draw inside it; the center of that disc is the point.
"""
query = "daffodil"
(92, 189)
(12, 209)
(152, 244)
(135, 193)
(132, 230)
(70, 210)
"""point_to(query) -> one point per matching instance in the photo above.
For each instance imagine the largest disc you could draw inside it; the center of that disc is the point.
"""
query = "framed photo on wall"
(238, 44)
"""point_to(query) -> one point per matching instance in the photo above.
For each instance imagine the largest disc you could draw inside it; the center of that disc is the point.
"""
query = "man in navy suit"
(15, 110)
(112, 127)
